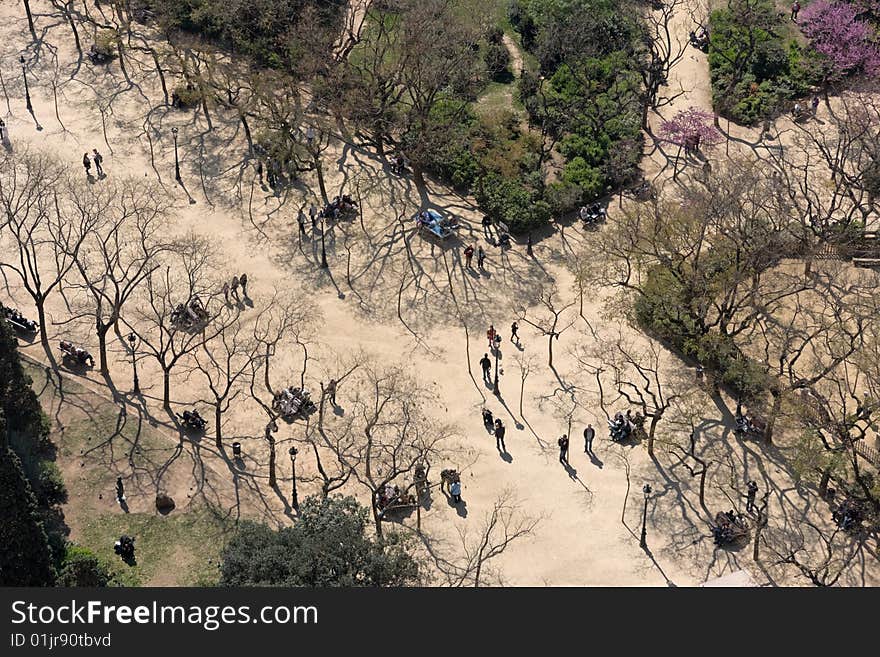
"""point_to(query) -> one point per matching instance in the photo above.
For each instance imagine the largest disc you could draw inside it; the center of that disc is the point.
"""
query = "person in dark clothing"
(301, 220)
(468, 255)
(226, 292)
(487, 223)
(488, 422)
(486, 364)
(87, 165)
(589, 434)
(331, 391)
(481, 257)
(513, 332)
(752, 488)
(243, 280)
(563, 449)
(97, 158)
(795, 8)
(120, 490)
(499, 436)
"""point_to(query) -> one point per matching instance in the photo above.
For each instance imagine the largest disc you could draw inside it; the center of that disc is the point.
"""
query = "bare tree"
(185, 276)
(42, 233)
(121, 251)
(502, 526)
(549, 321)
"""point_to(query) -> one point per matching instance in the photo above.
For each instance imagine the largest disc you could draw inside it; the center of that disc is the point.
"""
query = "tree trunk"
(272, 481)
(823, 483)
(73, 28)
(550, 350)
(101, 331)
(774, 412)
(218, 433)
(166, 388)
(44, 337)
(376, 517)
(651, 429)
(30, 18)
(319, 170)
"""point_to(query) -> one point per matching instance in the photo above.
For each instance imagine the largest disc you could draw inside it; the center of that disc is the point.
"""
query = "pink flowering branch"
(847, 42)
(690, 127)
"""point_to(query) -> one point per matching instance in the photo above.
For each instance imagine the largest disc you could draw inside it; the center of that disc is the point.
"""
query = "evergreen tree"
(24, 546)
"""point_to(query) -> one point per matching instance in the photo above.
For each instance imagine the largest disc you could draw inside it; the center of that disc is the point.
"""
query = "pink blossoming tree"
(848, 43)
(690, 129)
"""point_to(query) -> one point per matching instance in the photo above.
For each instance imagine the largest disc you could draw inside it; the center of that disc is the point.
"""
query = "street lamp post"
(495, 383)
(131, 341)
(27, 92)
(176, 159)
(293, 451)
(646, 489)
(323, 245)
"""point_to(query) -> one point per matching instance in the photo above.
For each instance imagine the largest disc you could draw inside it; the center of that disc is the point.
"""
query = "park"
(440, 292)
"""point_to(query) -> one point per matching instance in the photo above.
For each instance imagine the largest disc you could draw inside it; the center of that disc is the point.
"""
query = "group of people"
(237, 282)
(798, 111)
(97, 159)
(14, 317)
(700, 39)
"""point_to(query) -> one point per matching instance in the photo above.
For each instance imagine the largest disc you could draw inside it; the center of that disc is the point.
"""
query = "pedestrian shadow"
(123, 505)
(7, 145)
(92, 180)
(248, 302)
(338, 411)
(570, 470)
(595, 460)
(506, 456)
(460, 508)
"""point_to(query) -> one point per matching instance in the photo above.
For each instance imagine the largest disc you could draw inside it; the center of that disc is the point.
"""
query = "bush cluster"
(666, 312)
(756, 65)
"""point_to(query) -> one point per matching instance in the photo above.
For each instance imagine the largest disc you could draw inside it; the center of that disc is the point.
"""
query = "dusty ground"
(403, 301)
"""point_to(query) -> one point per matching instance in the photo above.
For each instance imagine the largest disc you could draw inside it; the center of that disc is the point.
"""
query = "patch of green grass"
(182, 549)
(95, 442)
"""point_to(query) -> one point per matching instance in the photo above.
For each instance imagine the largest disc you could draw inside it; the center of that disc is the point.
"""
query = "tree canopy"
(327, 546)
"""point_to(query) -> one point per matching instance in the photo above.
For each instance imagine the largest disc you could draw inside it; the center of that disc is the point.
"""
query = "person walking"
(752, 488)
(235, 284)
(499, 436)
(120, 490)
(487, 223)
(243, 280)
(301, 220)
(455, 491)
(481, 257)
(98, 160)
(468, 256)
(513, 332)
(87, 165)
(313, 213)
(331, 391)
(226, 292)
(563, 449)
(814, 104)
(795, 8)
(486, 364)
(589, 434)
(490, 335)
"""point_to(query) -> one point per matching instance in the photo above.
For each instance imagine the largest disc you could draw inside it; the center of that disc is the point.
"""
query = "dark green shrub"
(81, 567)
(50, 487)
(328, 546)
(188, 95)
(497, 60)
